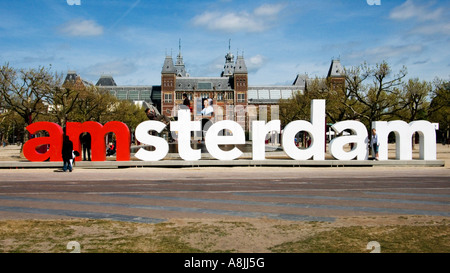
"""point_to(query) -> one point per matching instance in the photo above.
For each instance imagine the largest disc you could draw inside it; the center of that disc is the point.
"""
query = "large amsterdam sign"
(214, 137)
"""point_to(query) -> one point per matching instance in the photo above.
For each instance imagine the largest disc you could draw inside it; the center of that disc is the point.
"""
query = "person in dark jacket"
(86, 143)
(187, 102)
(67, 153)
(111, 149)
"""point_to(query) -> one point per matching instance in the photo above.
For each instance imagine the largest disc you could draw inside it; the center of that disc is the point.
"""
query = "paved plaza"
(152, 195)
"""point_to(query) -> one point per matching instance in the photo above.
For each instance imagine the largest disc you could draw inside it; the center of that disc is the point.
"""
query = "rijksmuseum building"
(229, 90)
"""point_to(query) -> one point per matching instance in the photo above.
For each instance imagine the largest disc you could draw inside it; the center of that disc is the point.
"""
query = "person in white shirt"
(208, 109)
(374, 144)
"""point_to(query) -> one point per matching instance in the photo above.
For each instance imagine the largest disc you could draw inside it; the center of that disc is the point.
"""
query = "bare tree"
(61, 102)
(439, 110)
(23, 91)
(339, 103)
(414, 100)
(379, 100)
(354, 84)
(93, 104)
(295, 108)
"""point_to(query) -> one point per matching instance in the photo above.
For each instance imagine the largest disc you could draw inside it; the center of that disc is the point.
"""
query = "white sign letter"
(161, 146)
(260, 130)
(403, 138)
(316, 130)
(358, 137)
(185, 126)
(213, 139)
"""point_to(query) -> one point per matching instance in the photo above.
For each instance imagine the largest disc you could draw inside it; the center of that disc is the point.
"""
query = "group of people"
(69, 154)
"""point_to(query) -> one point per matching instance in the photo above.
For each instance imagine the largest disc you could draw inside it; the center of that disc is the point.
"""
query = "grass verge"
(101, 236)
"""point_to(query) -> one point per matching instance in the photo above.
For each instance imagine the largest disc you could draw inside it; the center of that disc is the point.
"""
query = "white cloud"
(438, 28)
(257, 21)
(255, 63)
(80, 28)
(268, 10)
(394, 51)
(230, 22)
(409, 10)
(115, 68)
(385, 52)
(425, 19)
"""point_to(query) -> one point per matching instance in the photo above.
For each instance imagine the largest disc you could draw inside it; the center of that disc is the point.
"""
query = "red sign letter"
(98, 132)
(54, 140)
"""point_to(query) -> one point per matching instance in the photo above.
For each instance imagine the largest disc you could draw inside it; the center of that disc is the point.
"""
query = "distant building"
(229, 88)
(148, 96)
(336, 74)
(73, 78)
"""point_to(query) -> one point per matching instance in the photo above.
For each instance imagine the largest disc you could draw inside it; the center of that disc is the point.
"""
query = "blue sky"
(279, 39)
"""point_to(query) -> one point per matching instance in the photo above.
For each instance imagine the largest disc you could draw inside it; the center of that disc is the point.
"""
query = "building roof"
(301, 80)
(240, 66)
(148, 93)
(168, 67)
(74, 78)
(228, 67)
(106, 80)
(272, 94)
(179, 65)
(203, 83)
(336, 69)
(71, 76)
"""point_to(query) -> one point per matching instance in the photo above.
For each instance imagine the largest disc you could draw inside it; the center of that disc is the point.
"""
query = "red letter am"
(54, 140)
(98, 133)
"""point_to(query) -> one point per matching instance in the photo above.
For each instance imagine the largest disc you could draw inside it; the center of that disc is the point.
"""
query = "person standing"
(67, 153)
(86, 143)
(187, 102)
(374, 144)
(208, 109)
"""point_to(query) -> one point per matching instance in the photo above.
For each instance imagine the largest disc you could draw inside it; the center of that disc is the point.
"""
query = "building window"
(168, 83)
(240, 97)
(179, 95)
(204, 86)
(168, 97)
(220, 96)
(240, 82)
